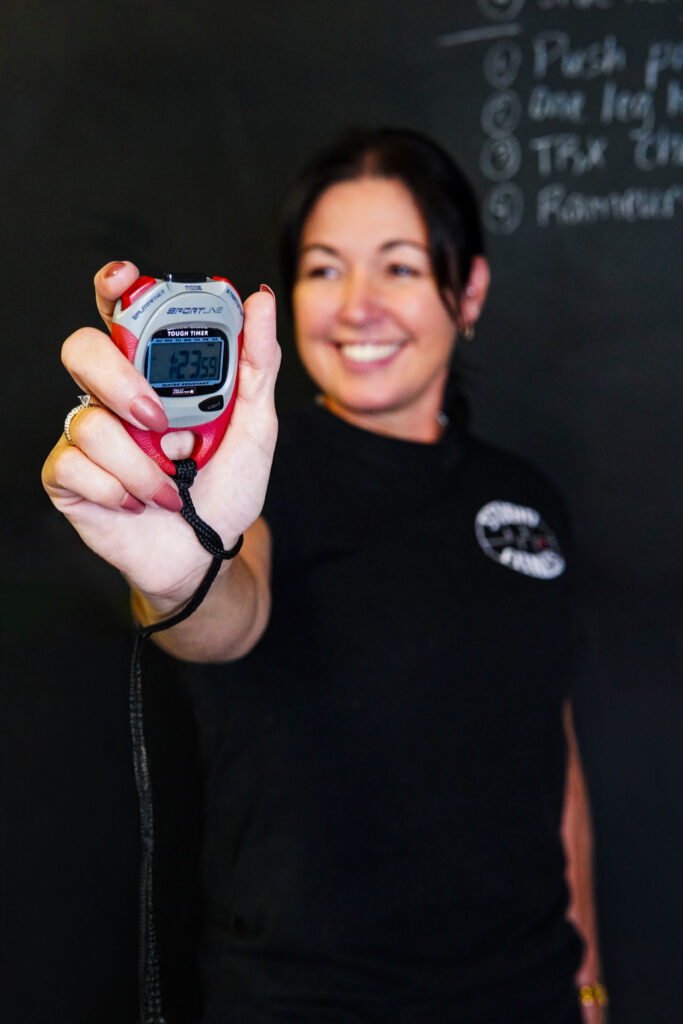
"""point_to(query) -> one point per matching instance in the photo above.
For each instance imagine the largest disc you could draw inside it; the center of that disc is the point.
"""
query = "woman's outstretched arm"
(126, 508)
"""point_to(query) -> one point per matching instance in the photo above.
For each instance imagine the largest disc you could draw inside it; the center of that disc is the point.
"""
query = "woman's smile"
(368, 355)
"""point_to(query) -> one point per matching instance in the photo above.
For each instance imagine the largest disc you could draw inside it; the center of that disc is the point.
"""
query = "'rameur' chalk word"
(556, 206)
(553, 50)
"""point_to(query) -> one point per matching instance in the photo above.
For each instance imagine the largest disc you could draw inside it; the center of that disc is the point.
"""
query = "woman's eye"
(402, 270)
(325, 272)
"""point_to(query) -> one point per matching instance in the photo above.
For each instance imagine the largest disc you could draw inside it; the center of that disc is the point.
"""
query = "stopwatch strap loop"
(185, 472)
(148, 963)
(149, 986)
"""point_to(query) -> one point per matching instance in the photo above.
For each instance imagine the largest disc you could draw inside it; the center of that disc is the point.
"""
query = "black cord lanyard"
(148, 958)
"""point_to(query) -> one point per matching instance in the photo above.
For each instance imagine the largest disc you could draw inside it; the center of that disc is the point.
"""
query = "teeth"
(369, 353)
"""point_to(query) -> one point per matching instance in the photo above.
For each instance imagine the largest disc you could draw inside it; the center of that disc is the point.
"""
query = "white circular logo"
(517, 537)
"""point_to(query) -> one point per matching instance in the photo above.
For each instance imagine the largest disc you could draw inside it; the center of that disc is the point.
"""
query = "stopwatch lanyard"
(148, 958)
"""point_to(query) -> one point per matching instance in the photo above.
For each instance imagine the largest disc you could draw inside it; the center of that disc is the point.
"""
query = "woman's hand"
(122, 504)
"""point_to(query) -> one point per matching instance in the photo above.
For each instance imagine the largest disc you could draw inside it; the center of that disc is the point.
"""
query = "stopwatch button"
(185, 278)
(136, 290)
(212, 404)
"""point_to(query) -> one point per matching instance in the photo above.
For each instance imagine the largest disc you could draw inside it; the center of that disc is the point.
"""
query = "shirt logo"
(518, 538)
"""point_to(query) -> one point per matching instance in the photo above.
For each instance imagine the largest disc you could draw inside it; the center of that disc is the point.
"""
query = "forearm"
(577, 836)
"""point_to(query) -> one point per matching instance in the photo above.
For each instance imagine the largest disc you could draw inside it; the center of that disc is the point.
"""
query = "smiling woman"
(393, 231)
(372, 329)
(392, 787)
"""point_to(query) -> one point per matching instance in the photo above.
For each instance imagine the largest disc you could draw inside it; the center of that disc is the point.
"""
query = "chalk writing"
(663, 55)
(625, 106)
(674, 99)
(567, 105)
(502, 63)
(503, 208)
(501, 158)
(556, 105)
(662, 148)
(501, 10)
(581, 5)
(554, 51)
(556, 205)
(574, 154)
(501, 113)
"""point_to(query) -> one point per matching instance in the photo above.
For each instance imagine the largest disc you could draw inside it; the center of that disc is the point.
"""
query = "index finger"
(111, 281)
(96, 364)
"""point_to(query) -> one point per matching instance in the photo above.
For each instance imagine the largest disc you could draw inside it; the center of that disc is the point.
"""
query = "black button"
(184, 278)
(212, 404)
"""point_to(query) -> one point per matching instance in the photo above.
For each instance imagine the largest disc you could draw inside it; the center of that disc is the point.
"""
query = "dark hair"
(442, 193)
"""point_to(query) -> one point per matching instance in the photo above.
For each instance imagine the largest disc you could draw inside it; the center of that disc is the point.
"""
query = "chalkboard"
(167, 133)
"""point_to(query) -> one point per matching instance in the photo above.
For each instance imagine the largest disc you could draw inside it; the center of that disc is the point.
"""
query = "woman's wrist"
(149, 608)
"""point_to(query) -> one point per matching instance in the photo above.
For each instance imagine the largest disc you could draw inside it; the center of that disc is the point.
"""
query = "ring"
(85, 402)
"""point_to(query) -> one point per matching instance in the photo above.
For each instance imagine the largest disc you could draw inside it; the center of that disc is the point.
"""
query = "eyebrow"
(383, 248)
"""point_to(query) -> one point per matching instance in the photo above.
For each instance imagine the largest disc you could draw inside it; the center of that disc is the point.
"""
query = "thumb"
(260, 356)
(111, 281)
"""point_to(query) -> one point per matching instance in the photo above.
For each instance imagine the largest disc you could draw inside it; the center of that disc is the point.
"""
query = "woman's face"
(372, 330)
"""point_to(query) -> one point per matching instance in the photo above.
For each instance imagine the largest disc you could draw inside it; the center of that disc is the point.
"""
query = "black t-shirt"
(384, 771)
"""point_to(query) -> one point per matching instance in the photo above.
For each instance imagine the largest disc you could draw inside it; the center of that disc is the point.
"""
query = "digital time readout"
(186, 361)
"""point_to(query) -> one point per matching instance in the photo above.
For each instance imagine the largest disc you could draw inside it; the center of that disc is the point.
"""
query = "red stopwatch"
(183, 332)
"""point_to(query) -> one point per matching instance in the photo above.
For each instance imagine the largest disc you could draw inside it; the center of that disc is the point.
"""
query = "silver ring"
(85, 402)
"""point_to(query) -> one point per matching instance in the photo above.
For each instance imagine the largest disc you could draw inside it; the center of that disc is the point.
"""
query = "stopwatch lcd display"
(189, 361)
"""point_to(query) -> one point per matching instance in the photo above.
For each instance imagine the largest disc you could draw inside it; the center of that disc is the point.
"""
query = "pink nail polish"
(168, 498)
(149, 413)
(132, 504)
(269, 290)
(113, 268)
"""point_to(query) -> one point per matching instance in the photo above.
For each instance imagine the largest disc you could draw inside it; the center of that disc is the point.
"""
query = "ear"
(474, 293)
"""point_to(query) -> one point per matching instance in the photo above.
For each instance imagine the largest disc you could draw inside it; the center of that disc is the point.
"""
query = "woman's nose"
(361, 301)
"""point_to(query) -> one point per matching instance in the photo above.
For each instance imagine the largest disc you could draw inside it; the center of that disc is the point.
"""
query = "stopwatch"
(183, 332)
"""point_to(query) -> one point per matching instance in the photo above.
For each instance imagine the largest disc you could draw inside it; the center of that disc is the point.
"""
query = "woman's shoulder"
(504, 483)
(492, 457)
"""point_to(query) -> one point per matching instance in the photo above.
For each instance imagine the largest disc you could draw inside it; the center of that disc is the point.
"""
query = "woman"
(385, 756)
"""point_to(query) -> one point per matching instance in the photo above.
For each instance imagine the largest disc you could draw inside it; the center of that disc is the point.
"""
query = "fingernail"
(168, 498)
(113, 268)
(149, 413)
(132, 504)
(267, 288)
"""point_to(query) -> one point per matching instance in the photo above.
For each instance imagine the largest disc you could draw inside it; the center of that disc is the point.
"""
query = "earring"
(467, 331)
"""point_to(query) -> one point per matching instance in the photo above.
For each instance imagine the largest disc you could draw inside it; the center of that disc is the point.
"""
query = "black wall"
(167, 133)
